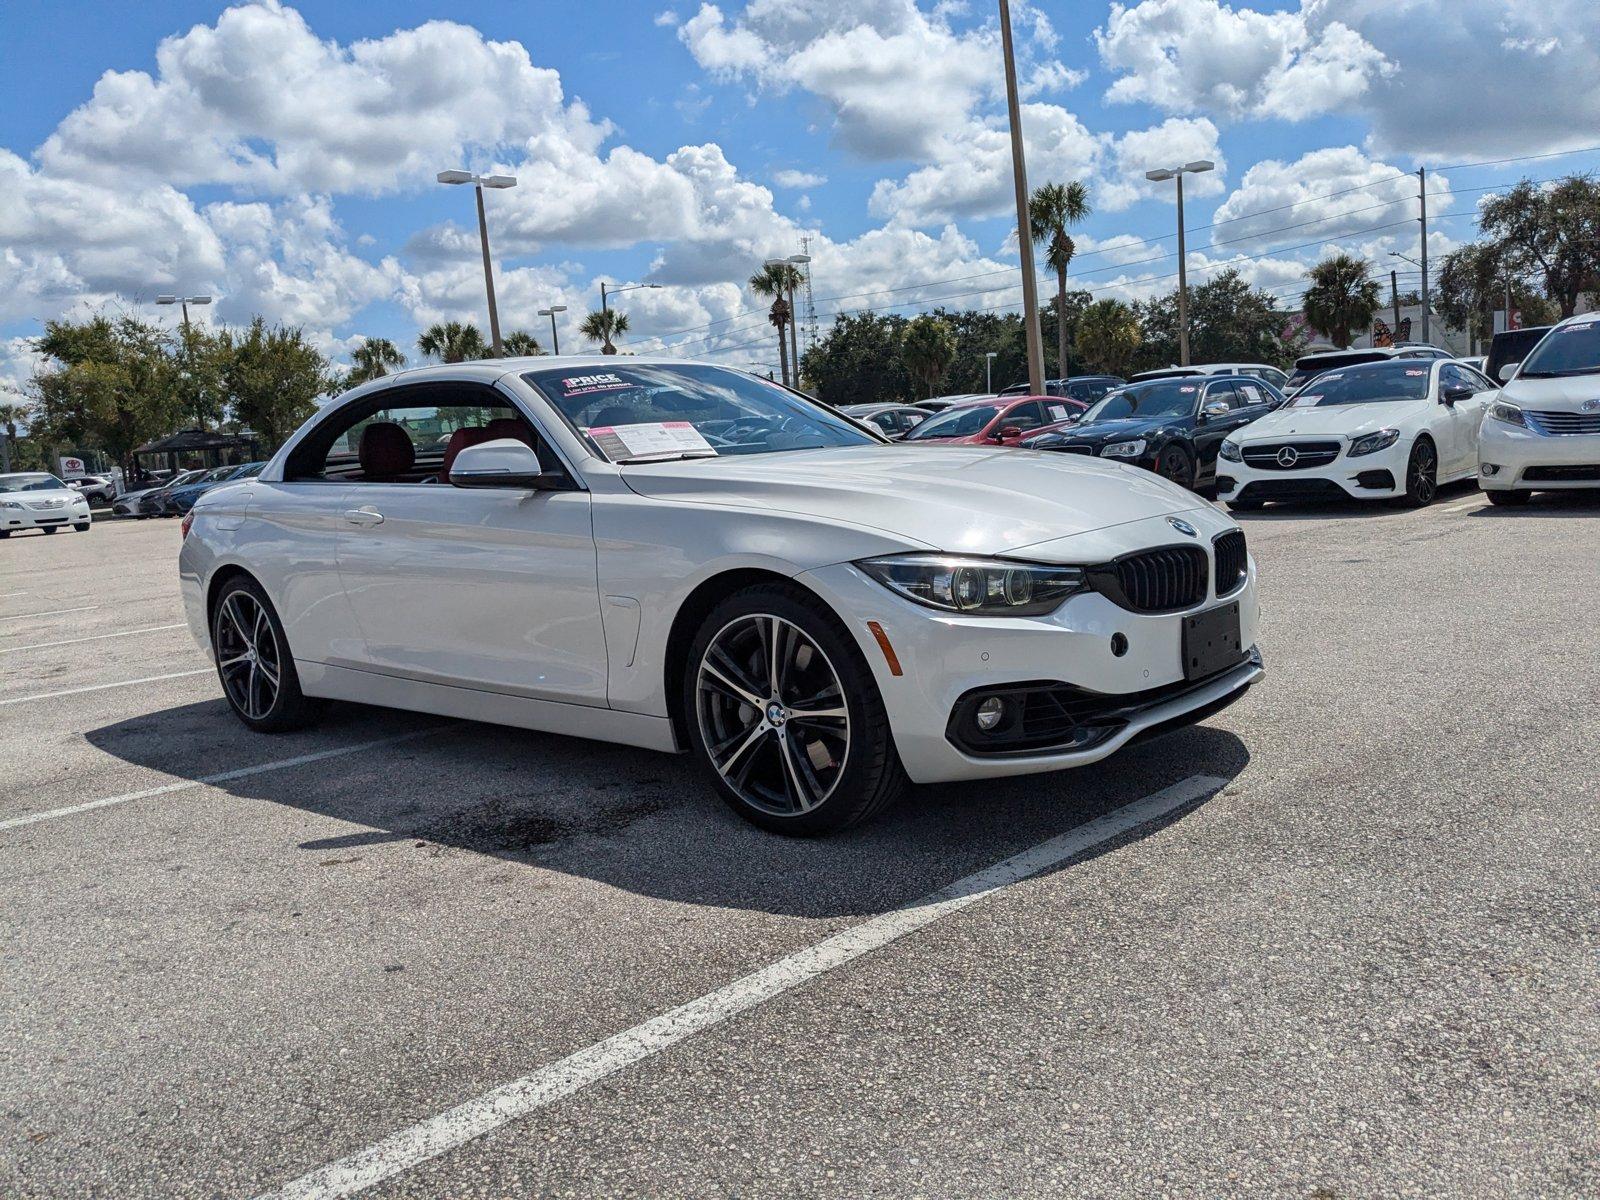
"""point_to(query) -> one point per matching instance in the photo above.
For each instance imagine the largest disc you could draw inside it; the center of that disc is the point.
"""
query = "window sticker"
(1058, 412)
(1251, 392)
(651, 437)
(1188, 388)
(1413, 372)
(1307, 401)
(584, 385)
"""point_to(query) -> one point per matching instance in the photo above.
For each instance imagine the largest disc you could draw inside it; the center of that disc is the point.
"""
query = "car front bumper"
(14, 520)
(1512, 458)
(1368, 477)
(944, 657)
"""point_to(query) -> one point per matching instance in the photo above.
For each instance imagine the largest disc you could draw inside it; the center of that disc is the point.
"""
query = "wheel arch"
(218, 579)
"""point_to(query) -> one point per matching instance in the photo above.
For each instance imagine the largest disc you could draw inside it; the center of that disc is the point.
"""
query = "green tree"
(604, 325)
(1230, 321)
(858, 361)
(1108, 336)
(197, 366)
(1552, 234)
(108, 384)
(452, 342)
(927, 347)
(1052, 208)
(519, 343)
(976, 334)
(773, 282)
(275, 376)
(373, 359)
(11, 412)
(1342, 298)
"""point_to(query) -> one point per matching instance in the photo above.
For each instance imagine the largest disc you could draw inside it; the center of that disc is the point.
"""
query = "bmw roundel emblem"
(1288, 456)
(1182, 526)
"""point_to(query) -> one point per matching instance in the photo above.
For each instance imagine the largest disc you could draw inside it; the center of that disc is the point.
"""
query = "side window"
(408, 435)
(1453, 375)
(1250, 395)
(1221, 393)
(885, 421)
(910, 418)
(1058, 412)
(1024, 416)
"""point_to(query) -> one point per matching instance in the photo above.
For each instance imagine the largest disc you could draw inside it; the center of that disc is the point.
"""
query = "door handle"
(363, 516)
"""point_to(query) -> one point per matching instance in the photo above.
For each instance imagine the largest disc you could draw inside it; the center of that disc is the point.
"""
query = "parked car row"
(178, 494)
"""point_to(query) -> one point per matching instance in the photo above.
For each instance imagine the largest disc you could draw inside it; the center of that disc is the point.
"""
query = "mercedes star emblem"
(1288, 456)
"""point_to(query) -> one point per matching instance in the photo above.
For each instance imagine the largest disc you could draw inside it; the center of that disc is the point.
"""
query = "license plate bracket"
(1212, 641)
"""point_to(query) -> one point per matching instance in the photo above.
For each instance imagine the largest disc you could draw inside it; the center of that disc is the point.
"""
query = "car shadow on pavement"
(1344, 509)
(649, 823)
(1547, 504)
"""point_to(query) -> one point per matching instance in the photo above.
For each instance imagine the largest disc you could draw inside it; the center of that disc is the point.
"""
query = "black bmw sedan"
(1170, 426)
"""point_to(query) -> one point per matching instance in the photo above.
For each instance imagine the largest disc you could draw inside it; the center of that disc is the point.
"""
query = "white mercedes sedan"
(685, 557)
(1392, 430)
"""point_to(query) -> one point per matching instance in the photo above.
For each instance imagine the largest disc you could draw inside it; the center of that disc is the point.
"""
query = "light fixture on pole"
(1019, 176)
(184, 301)
(988, 371)
(1158, 176)
(555, 338)
(479, 182)
(605, 305)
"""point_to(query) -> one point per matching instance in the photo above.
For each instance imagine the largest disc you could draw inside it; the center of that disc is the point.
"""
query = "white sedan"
(685, 557)
(38, 500)
(1383, 430)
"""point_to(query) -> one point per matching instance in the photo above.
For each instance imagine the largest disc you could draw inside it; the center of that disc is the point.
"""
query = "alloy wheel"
(1422, 475)
(1174, 465)
(248, 656)
(772, 714)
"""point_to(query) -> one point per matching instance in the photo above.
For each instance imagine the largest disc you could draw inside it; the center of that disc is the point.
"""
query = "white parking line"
(427, 1139)
(100, 687)
(9, 595)
(183, 785)
(53, 612)
(98, 637)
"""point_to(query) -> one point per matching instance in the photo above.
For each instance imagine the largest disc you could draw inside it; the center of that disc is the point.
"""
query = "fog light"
(990, 713)
(1490, 469)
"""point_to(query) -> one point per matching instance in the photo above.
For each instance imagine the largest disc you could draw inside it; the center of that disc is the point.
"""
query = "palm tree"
(519, 343)
(928, 348)
(1342, 298)
(1053, 207)
(10, 414)
(777, 280)
(373, 359)
(452, 342)
(604, 325)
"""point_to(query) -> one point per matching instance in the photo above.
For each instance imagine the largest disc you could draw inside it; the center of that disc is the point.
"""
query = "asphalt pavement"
(1358, 957)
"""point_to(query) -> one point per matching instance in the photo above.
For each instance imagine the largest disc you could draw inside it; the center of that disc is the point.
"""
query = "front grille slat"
(1233, 562)
(1561, 423)
(1163, 580)
(1264, 456)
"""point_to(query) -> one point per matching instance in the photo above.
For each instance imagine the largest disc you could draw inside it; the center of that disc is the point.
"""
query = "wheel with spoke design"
(1422, 475)
(253, 660)
(1175, 465)
(783, 711)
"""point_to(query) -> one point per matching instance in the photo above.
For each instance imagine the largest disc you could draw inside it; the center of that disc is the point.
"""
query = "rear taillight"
(188, 520)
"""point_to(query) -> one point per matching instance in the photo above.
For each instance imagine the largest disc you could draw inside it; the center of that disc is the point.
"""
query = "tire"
(1245, 505)
(5, 533)
(49, 528)
(802, 778)
(82, 528)
(1422, 475)
(1514, 499)
(1176, 466)
(246, 636)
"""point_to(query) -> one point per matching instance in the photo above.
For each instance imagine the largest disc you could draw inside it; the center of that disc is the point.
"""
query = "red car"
(997, 421)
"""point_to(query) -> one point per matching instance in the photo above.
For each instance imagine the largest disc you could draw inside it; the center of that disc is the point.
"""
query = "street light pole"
(988, 371)
(1019, 174)
(479, 182)
(1422, 199)
(183, 302)
(608, 348)
(555, 338)
(1164, 173)
(799, 260)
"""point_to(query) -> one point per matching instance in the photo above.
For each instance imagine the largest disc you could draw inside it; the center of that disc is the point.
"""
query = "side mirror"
(1010, 431)
(1214, 410)
(1506, 371)
(504, 463)
(1456, 392)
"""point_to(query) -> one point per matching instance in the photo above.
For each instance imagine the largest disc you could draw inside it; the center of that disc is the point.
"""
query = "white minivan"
(1543, 430)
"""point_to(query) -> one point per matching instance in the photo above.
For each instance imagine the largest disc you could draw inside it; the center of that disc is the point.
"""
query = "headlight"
(984, 587)
(1230, 451)
(10, 504)
(1371, 443)
(1504, 410)
(1131, 449)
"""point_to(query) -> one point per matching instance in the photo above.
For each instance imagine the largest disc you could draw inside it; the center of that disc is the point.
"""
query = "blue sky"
(281, 157)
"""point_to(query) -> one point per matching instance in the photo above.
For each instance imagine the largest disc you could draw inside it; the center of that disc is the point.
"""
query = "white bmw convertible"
(687, 558)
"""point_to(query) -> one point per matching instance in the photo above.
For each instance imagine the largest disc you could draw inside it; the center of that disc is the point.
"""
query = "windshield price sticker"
(654, 437)
(584, 385)
(1188, 388)
(1413, 371)
(1307, 401)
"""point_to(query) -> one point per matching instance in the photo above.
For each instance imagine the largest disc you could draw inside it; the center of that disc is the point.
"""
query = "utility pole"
(1019, 172)
(1422, 197)
(1394, 296)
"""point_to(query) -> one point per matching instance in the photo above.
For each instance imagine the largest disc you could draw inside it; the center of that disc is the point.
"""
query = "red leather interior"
(386, 451)
(467, 435)
(510, 427)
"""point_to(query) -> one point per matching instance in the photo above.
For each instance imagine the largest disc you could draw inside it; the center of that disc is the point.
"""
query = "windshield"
(33, 482)
(1158, 398)
(955, 422)
(654, 413)
(1370, 383)
(1566, 350)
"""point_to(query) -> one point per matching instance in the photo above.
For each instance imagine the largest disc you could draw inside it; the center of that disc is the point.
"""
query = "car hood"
(34, 497)
(968, 499)
(1101, 432)
(1565, 393)
(1337, 420)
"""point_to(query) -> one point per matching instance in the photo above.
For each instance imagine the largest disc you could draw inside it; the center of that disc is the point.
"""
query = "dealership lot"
(1363, 962)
